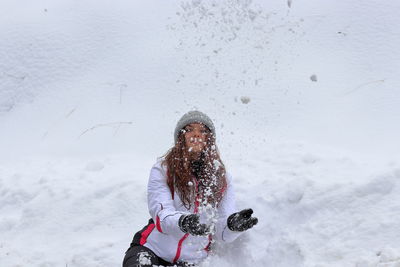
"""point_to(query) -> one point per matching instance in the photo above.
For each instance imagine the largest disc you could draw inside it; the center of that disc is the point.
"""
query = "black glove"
(241, 221)
(191, 224)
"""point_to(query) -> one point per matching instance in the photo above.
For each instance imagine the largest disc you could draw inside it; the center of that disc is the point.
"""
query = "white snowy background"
(304, 95)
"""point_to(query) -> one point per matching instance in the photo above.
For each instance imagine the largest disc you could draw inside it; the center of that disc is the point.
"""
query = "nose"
(197, 133)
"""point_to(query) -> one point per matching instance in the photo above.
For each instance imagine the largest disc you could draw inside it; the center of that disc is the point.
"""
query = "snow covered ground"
(305, 98)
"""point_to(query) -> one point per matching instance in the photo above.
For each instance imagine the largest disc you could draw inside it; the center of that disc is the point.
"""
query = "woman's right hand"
(190, 223)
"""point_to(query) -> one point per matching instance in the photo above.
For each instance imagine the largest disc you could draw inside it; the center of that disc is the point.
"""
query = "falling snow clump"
(245, 99)
(314, 78)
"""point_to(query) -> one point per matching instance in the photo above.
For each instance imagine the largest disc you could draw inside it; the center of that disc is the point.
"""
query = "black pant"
(141, 256)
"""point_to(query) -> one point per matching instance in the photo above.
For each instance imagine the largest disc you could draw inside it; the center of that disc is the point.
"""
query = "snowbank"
(304, 97)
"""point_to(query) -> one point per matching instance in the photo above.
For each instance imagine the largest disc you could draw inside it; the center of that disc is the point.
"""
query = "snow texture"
(304, 97)
(144, 258)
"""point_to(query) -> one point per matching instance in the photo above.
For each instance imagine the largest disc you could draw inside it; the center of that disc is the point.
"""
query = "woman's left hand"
(241, 221)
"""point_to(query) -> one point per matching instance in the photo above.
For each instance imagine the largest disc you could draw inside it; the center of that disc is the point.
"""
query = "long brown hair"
(211, 178)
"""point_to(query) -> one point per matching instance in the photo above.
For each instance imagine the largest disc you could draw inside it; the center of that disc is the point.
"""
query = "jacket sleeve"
(226, 208)
(160, 202)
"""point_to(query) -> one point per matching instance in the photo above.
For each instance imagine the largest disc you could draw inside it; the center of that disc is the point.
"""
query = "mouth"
(196, 141)
(196, 145)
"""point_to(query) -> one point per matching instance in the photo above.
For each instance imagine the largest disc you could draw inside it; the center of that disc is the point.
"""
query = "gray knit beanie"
(193, 117)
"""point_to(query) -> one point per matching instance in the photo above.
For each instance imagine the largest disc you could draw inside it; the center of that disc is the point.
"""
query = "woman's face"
(196, 137)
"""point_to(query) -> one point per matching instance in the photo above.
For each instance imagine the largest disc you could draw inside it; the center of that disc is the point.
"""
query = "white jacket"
(165, 238)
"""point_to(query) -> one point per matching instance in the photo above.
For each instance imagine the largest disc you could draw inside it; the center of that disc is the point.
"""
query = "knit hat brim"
(193, 117)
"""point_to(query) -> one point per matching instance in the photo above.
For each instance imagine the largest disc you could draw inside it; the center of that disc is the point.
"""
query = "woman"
(190, 199)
